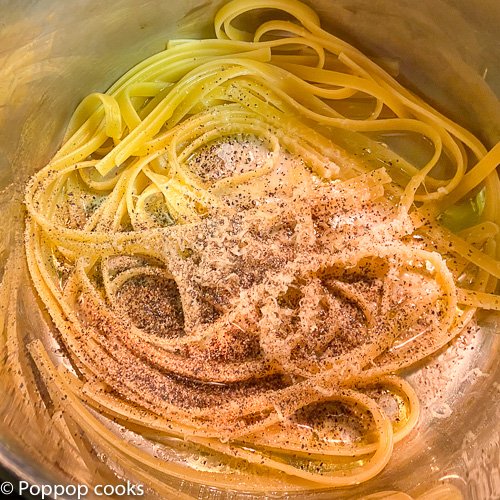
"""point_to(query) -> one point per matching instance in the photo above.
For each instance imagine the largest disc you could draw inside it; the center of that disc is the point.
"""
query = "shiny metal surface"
(53, 53)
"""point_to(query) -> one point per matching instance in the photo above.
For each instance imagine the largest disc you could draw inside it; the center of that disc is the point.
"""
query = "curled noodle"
(241, 307)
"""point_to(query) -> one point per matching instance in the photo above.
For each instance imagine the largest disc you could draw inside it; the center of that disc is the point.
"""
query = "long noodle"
(250, 269)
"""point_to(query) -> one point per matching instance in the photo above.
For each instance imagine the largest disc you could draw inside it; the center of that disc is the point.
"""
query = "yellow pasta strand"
(128, 199)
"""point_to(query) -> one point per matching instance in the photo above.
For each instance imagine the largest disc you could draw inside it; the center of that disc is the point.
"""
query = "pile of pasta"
(290, 292)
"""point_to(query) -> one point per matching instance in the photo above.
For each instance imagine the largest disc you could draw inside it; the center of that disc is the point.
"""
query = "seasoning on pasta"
(233, 256)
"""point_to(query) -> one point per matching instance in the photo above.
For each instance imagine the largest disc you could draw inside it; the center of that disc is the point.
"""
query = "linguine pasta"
(224, 265)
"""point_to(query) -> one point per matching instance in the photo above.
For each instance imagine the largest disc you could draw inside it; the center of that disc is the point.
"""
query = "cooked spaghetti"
(225, 262)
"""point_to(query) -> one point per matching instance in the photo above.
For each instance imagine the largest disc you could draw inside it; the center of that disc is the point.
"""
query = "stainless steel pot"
(54, 53)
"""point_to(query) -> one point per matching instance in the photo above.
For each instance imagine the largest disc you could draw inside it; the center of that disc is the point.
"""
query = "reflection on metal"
(54, 53)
